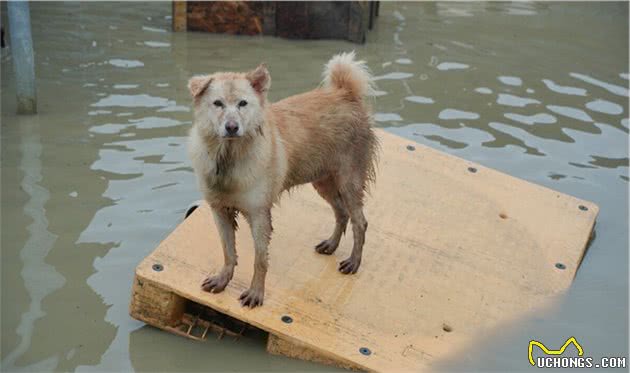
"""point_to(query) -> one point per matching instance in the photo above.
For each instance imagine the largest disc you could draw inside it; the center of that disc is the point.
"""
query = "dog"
(246, 151)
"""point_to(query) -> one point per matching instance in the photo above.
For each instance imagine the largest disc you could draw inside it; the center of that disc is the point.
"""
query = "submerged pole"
(22, 56)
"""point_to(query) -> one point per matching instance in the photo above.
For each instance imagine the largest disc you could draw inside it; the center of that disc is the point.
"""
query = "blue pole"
(22, 56)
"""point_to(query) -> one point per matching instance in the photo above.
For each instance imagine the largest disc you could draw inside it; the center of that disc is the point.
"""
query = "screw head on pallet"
(560, 266)
(365, 351)
(583, 208)
(411, 148)
(472, 169)
(191, 208)
(286, 319)
(157, 267)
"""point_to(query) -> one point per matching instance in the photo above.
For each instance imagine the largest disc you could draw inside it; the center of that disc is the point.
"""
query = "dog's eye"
(242, 103)
(218, 103)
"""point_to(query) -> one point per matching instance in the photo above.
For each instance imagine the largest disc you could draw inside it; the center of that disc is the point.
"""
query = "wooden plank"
(278, 346)
(269, 18)
(328, 19)
(453, 249)
(179, 16)
(230, 17)
(292, 20)
(372, 14)
(295, 20)
(358, 20)
(154, 304)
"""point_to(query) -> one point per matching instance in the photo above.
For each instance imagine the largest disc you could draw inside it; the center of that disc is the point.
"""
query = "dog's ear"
(260, 79)
(197, 85)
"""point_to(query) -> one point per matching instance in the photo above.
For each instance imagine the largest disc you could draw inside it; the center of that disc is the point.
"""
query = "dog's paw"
(326, 247)
(215, 284)
(349, 266)
(252, 298)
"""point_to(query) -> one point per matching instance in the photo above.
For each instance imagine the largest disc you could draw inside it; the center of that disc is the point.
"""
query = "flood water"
(100, 176)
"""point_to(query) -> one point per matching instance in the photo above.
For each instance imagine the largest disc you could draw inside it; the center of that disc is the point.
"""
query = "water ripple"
(540, 118)
(444, 66)
(565, 90)
(157, 44)
(125, 86)
(153, 29)
(142, 100)
(387, 117)
(454, 114)
(516, 101)
(511, 80)
(570, 112)
(483, 90)
(606, 107)
(615, 89)
(420, 99)
(125, 63)
(393, 76)
(404, 61)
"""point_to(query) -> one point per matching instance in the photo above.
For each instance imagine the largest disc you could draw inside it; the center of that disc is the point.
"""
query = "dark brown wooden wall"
(231, 17)
(348, 20)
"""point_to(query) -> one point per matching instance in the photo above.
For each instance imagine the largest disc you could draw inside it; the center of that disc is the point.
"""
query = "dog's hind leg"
(327, 188)
(352, 196)
(225, 219)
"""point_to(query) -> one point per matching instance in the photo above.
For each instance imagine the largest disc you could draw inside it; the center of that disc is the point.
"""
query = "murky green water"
(94, 182)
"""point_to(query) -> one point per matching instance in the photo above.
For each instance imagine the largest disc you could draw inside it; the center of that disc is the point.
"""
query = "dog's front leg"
(260, 222)
(225, 219)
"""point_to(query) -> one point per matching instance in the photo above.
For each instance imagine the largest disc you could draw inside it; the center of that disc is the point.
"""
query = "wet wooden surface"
(453, 249)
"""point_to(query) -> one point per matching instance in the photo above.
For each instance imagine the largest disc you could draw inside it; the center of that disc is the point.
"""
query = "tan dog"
(247, 151)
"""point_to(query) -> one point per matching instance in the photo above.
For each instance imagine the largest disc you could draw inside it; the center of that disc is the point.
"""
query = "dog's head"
(230, 105)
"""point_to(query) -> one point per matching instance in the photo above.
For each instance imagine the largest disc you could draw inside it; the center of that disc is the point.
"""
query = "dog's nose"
(231, 127)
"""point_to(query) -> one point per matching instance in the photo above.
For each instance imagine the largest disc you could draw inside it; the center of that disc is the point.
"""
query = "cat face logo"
(547, 351)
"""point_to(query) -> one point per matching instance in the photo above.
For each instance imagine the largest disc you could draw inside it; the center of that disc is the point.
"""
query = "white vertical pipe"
(22, 56)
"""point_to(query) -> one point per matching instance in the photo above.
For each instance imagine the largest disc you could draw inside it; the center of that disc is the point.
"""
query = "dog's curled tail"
(344, 72)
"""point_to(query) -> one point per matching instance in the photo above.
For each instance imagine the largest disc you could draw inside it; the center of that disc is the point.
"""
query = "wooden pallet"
(453, 249)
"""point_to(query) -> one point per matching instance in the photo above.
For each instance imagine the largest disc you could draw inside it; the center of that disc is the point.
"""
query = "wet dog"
(246, 151)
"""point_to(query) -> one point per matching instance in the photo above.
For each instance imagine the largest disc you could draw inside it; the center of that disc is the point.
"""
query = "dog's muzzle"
(231, 128)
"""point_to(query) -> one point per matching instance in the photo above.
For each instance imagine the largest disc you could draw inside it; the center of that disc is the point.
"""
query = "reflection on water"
(451, 66)
(510, 80)
(512, 100)
(542, 118)
(612, 88)
(605, 107)
(93, 183)
(570, 112)
(565, 90)
(40, 279)
(451, 114)
(420, 99)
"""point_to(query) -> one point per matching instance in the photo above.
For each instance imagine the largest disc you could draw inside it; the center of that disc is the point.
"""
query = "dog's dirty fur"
(323, 137)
